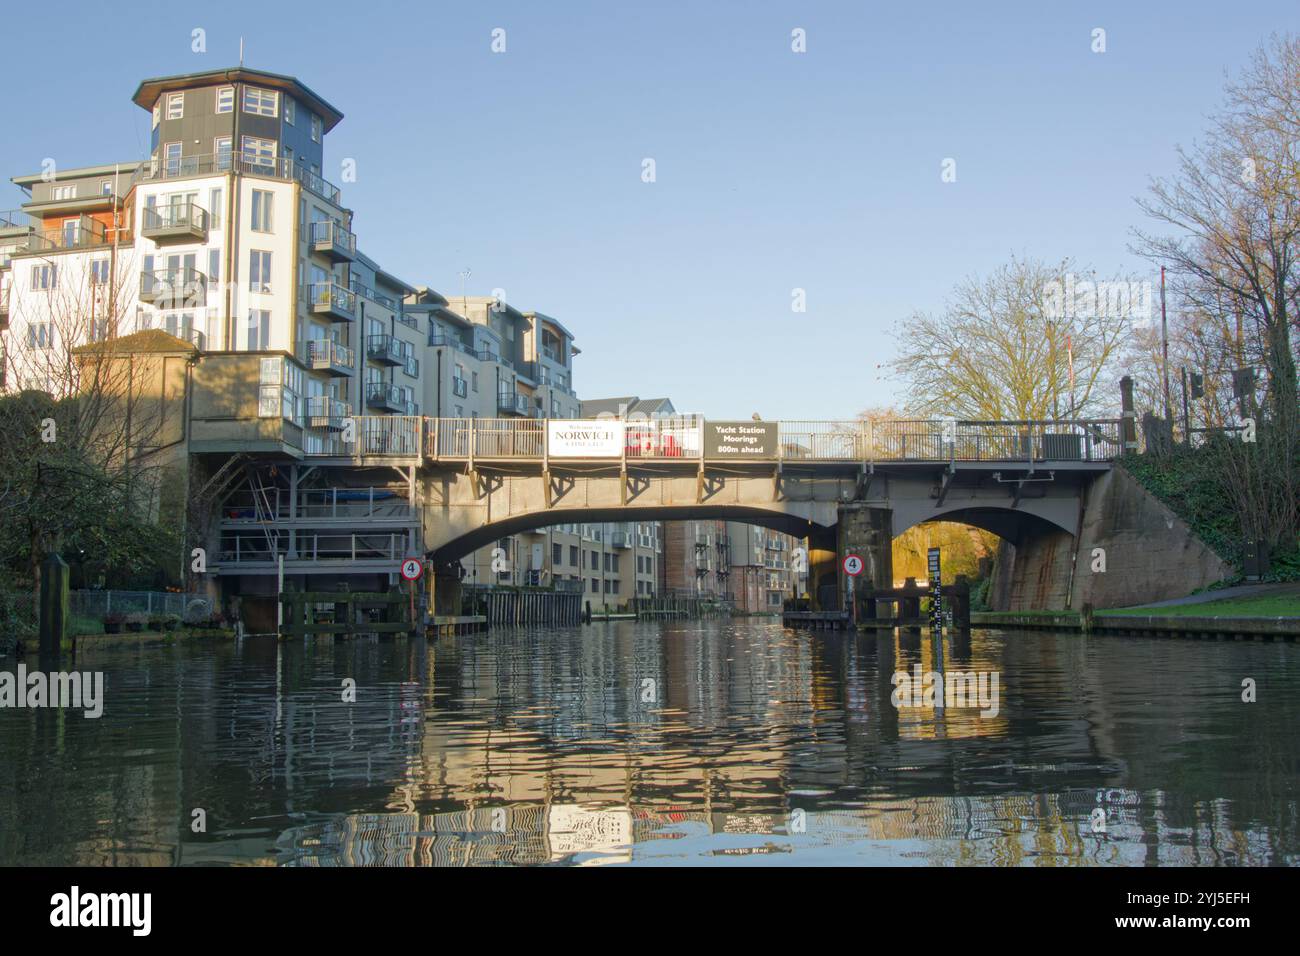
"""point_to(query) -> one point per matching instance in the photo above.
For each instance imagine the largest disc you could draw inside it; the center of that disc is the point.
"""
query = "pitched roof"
(627, 406)
(148, 340)
(149, 90)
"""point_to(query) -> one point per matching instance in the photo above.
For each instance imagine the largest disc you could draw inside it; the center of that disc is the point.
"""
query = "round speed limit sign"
(412, 569)
(852, 565)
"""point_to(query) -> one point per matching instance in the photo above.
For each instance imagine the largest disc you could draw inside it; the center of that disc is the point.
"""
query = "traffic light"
(1243, 382)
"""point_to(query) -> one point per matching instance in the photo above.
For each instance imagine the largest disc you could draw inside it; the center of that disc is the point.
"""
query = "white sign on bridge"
(589, 438)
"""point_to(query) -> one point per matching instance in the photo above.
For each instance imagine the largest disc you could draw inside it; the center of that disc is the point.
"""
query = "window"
(317, 128)
(45, 277)
(573, 555)
(175, 105)
(262, 202)
(225, 99)
(474, 380)
(221, 149)
(260, 101)
(172, 158)
(258, 152)
(214, 207)
(99, 272)
(290, 109)
(595, 560)
(60, 193)
(106, 187)
(214, 268)
(259, 271)
(157, 113)
(39, 335)
(179, 324)
(595, 585)
(280, 390)
(557, 554)
(259, 335)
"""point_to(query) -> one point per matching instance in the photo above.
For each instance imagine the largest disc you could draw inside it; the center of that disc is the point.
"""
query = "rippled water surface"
(698, 742)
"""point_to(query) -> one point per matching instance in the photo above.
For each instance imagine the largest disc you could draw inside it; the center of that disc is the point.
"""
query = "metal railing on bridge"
(683, 438)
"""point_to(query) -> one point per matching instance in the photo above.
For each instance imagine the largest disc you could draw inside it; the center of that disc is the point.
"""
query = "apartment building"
(749, 566)
(609, 563)
(229, 240)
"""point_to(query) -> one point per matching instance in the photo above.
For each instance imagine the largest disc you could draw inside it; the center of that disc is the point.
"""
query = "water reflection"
(682, 742)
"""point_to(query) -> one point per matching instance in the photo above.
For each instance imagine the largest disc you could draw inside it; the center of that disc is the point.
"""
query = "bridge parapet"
(693, 439)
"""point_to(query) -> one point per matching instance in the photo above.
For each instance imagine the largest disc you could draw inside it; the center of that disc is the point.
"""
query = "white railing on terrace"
(682, 438)
(237, 548)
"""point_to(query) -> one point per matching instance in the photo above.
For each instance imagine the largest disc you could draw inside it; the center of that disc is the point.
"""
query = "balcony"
(327, 413)
(69, 238)
(620, 539)
(174, 223)
(384, 397)
(384, 350)
(513, 403)
(183, 167)
(439, 339)
(332, 301)
(185, 288)
(333, 241)
(326, 355)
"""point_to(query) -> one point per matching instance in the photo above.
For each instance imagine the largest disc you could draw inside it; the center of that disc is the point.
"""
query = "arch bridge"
(845, 486)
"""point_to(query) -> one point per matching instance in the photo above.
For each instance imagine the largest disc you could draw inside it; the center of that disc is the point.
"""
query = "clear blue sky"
(775, 170)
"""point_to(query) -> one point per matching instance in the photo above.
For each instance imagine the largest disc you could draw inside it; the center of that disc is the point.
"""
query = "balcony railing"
(209, 164)
(175, 222)
(15, 219)
(440, 339)
(326, 412)
(333, 301)
(61, 240)
(326, 355)
(184, 288)
(459, 387)
(383, 395)
(512, 402)
(384, 350)
(333, 241)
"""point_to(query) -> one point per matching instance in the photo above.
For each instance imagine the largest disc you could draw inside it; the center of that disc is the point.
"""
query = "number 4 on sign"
(412, 569)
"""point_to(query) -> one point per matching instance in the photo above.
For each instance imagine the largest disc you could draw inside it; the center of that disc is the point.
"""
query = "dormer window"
(261, 102)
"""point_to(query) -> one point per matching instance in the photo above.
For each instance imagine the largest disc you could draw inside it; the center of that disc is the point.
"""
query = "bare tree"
(1031, 341)
(75, 439)
(1231, 235)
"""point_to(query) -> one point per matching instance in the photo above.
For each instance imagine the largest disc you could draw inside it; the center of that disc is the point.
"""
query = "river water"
(718, 742)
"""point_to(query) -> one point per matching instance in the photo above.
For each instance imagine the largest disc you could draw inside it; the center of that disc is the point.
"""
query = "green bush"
(1190, 484)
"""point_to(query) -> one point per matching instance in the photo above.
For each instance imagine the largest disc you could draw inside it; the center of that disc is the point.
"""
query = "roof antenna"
(241, 53)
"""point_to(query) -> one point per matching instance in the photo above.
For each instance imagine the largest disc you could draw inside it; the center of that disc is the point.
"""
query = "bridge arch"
(467, 542)
(1016, 525)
